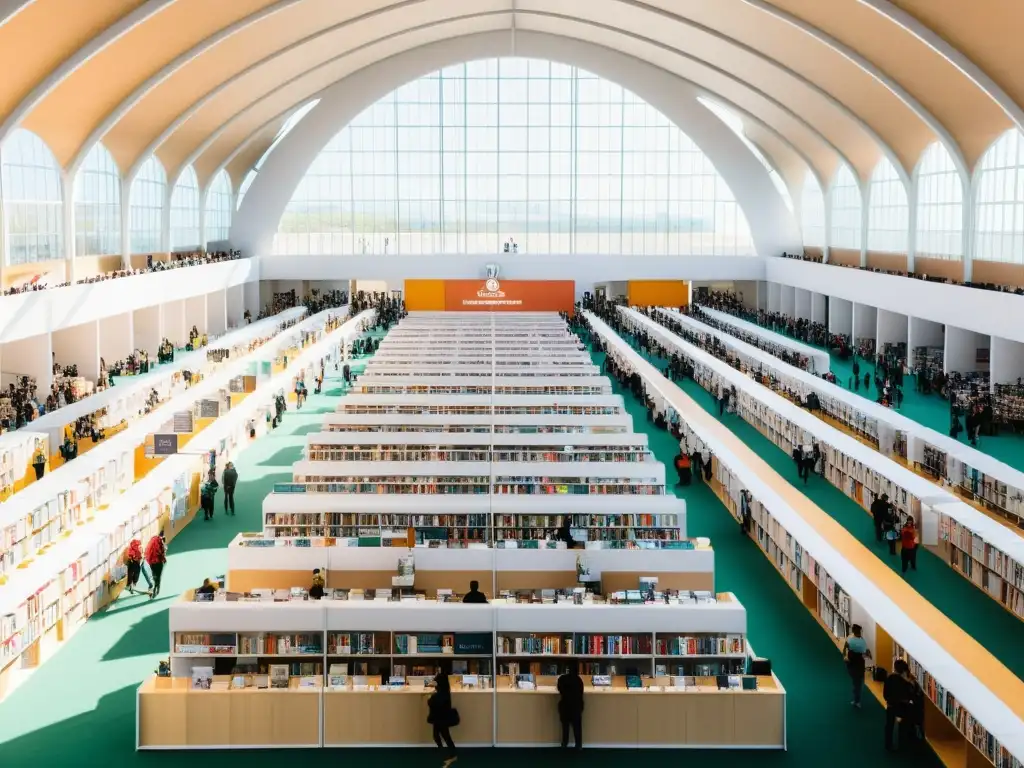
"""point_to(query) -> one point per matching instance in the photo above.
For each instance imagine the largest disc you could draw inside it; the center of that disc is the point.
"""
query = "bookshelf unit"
(982, 550)
(811, 359)
(888, 611)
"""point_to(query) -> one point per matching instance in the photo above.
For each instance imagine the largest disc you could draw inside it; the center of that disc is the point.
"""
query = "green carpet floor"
(983, 618)
(79, 708)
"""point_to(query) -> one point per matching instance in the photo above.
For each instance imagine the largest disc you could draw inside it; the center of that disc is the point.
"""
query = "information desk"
(173, 716)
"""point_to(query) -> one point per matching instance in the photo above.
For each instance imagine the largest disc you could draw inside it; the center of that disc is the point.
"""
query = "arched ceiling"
(816, 82)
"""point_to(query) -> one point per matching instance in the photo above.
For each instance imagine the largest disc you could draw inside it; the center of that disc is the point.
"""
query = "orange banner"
(492, 295)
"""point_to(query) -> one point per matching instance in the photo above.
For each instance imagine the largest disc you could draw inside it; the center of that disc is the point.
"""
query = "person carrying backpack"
(156, 558)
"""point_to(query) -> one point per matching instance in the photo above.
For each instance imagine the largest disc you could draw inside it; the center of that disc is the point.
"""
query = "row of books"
(280, 644)
(485, 389)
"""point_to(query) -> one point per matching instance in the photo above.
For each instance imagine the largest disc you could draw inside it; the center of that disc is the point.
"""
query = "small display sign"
(165, 445)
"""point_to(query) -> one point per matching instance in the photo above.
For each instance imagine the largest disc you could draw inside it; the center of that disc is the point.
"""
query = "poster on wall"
(494, 295)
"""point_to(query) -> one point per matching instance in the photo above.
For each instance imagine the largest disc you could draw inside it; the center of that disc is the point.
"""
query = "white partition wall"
(29, 357)
(865, 322)
(787, 303)
(802, 304)
(79, 345)
(819, 304)
(195, 314)
(1007, 361)
(173, 321)
(117, 338)
(774, 297)
(234, 301)
(216, 313)
(963, 350)
(147, 328)
(840, 316)
(923, 333)
(893, 328)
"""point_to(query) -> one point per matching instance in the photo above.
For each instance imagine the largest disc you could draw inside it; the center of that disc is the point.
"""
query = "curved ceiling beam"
(209, 97)
(740, 111)
(11, 8)
(173, 66)
(810, 85)
(828, 98)
(109, 35)
(773, 227)
(647, 41)
(897, 90)
(968, 68)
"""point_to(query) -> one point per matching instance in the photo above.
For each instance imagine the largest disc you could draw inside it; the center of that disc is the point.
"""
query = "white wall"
(773, 226)
(195, 314)
(235, 305)
(865, 321)
(893, 328)
(30, 357)
(788, 300)
(774, 297)
(30, 314)
(962, 349)
(818, 308)
(587, 270)
(117, 337)
(1007, 361)
(923, 333)
(985, 312)
(216, 313)
(79, 345)
(172, 319)
(802, 304)
(840, 316)
(148, 330)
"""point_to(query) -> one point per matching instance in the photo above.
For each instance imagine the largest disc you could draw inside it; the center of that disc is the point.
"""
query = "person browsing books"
(442, 716)
(474, 595)
(855, 651)
(908, 545)
(208, 588)
(880, 514)
(570, 706)
(316, 589)
(133, 561)
(564, 533)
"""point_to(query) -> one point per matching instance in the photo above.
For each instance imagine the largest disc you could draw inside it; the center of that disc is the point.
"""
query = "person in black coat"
(570, 706)
(442, 715)
(230, 478)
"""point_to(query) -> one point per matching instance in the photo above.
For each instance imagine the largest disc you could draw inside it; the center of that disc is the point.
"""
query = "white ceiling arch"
(773, 227)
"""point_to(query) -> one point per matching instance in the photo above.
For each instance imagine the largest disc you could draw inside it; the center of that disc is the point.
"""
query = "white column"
(3, 232)
(69, 226)
(252, 297)
(912, 224)
(788, 304)
(827, 199)
(802, 304)
(165, 224)
(79, 345)
(147, 327)
(117, 337)
(865, 219)
(818, 308)
(968, 235)
(235, 305)
(962, 347)
(126, 220)
(202, 217)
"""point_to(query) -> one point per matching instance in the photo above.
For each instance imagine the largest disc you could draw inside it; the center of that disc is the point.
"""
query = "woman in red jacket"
(133, 560)
(156, 556)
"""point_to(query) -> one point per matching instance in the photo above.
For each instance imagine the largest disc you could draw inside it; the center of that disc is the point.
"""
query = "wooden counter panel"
(658, 722)
(400, 718)
(346, 719)
(609, 718)
(250, 719)
(760, 719)
(295, 719)
(711, 718)
(162, 720)
(529, 717)
(516, 580)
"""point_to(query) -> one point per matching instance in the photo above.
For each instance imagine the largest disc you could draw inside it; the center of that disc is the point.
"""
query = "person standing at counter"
(442, 715)
(570, 706)
(474, 595)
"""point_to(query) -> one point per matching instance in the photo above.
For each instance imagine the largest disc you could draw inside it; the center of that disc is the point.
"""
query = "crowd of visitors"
(178, 260)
